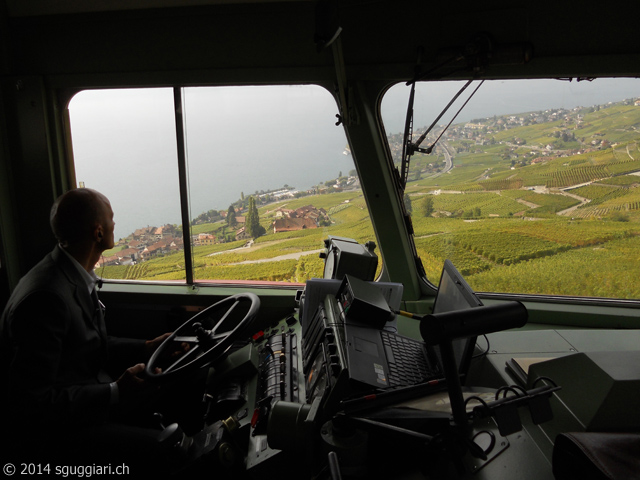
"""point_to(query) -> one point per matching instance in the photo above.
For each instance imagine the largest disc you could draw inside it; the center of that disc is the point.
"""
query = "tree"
(427, 206)
(252, 222)
(251, 219)
(231, 216)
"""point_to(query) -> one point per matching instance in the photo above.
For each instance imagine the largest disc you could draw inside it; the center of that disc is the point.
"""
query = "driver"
(56, 353)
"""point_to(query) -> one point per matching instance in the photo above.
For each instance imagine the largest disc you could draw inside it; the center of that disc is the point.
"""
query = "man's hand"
(131, 387)
(152, 346)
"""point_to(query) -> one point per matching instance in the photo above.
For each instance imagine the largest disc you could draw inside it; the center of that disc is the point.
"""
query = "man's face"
(108, 226)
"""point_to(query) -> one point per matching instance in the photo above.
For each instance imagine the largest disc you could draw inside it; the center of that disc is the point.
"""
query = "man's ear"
(99, 234)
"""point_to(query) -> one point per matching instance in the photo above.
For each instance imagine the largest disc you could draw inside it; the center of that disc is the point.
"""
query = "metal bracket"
(348, 113)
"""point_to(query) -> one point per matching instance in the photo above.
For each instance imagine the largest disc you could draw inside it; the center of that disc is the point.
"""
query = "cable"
(478, 399)
(544, 378)
(99, 282)
(408, 314)
(482, 354)
(506, 389)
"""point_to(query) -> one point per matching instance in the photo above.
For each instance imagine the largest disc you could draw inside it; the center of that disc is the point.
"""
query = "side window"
(124, 145)
(532, 189)
(269, 177)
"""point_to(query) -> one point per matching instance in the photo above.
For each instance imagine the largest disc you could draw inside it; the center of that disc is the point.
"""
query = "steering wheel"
(209, 335)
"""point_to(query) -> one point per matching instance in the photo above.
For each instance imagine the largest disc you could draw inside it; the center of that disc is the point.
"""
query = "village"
(471, 136)
(149, 242)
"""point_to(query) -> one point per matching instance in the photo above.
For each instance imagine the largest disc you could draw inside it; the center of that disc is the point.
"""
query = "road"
(250, 247)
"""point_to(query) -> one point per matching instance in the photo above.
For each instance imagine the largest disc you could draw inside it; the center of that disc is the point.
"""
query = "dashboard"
(294, 402)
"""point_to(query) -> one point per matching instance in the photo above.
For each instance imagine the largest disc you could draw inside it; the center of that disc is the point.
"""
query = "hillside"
(550, 153)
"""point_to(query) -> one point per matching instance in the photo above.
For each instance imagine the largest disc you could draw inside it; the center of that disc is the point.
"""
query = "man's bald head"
(77, 214)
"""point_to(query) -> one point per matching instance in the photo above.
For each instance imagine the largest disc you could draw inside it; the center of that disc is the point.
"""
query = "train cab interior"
(295, 181)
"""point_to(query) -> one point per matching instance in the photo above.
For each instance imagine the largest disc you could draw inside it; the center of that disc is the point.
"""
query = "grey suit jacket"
(56, 348)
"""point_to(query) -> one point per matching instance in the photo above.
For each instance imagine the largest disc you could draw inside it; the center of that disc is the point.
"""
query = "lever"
(334, 466)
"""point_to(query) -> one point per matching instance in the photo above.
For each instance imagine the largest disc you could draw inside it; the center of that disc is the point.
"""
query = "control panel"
(279, 378)
(324, 358)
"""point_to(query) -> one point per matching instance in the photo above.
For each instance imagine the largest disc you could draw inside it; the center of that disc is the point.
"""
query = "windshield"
(532, 189)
